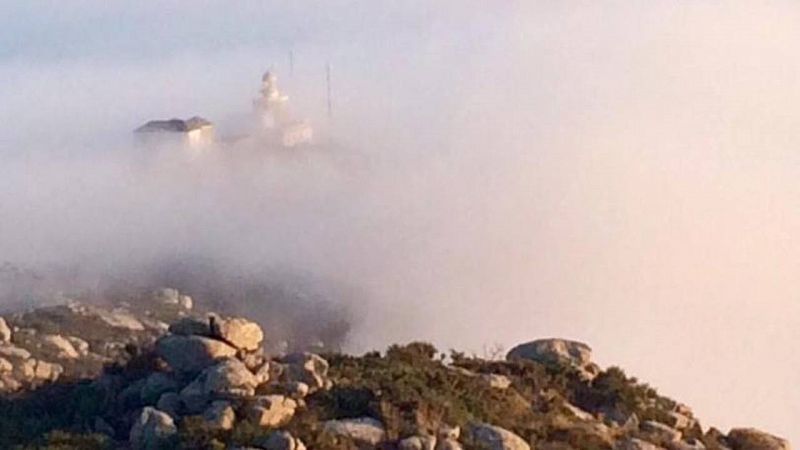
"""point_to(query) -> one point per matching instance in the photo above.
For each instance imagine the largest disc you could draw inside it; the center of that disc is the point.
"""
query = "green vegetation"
(410, 390)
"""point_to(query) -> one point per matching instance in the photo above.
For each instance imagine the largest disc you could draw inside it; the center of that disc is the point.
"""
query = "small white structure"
(274, 118)
(271, 105)
(194, 133)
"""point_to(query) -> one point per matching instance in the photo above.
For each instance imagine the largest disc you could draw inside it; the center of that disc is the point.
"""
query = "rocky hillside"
(156, 373)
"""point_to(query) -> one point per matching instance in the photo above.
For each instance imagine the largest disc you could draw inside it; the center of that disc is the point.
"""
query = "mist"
(619, 174)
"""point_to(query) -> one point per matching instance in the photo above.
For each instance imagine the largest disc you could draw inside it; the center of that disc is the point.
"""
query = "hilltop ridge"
(164, 373)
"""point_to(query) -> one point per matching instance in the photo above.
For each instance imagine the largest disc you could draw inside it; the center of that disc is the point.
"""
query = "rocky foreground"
(159, 374)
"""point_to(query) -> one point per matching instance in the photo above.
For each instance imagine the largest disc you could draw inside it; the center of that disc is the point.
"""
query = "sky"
(620, 174)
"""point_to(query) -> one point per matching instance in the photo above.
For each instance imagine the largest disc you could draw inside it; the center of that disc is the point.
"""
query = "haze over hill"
(619, 174)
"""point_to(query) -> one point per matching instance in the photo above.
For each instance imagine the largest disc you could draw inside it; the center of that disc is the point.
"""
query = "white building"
(193, 133)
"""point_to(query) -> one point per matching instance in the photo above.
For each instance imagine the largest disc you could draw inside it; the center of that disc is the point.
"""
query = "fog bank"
(623, 175)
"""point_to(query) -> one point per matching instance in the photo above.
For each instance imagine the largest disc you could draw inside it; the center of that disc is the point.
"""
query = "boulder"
(219, 416)
(553, 351)
(307, 368)
(81, 346)
(229, 378)
(38, 370)
(752, 439)
(363, 430)
(120, 318)
(5, 331)
(192, 353)
(59, 345)
(491, 437)
(272, 410)
(281, 440)
(14, 352)
(153, 430)
(238, 332)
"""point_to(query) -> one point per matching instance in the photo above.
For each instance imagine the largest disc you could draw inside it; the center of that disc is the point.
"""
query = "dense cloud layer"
(624, 175)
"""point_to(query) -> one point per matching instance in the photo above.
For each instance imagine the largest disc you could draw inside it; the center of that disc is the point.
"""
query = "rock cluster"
(216, 370)
(170, 370)
(557, 351)
(77, 339)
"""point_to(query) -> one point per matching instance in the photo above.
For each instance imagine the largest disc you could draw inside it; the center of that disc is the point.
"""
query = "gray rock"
(272, 410)
(553, 351)
(230, 377)
(492, 437)
(307, 368)
(752, 439)
(153, 430)
(192, 353)
(363, 430)
(219, 416)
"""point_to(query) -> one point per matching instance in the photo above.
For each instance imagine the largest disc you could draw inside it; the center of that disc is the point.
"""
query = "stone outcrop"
(238, 332)
(556, 351)
(192, 353)
(307, 368)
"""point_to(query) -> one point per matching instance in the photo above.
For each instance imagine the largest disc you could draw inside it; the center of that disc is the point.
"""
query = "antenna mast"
(328, 86)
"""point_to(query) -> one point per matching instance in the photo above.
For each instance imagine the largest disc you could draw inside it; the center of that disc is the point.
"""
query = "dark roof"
(173, 125)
